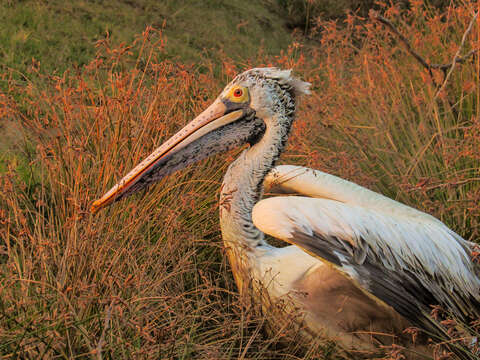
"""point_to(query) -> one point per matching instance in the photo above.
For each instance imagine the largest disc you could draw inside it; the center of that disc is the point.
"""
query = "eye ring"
(238, 92)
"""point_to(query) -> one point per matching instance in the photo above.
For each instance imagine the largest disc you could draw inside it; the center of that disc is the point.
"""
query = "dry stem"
(457, 54)
(444, 67)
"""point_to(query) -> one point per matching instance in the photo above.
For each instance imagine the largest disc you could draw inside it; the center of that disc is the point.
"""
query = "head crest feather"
(283, 77)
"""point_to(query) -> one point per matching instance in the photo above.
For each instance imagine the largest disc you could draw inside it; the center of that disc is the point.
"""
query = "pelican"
(358, 265)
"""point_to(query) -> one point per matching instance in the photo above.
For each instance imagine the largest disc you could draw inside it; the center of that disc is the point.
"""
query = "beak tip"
(96, 206)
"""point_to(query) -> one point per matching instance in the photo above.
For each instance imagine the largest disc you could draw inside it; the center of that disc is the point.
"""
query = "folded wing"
(399, 255)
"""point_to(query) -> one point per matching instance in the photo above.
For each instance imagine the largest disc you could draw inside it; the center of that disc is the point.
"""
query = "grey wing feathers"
(408, 293)
(409, 266)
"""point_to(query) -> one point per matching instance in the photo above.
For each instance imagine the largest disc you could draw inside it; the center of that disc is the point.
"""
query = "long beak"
(212, 118)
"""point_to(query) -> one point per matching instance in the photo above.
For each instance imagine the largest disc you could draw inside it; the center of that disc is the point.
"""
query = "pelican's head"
(266, 91)
(239, 115)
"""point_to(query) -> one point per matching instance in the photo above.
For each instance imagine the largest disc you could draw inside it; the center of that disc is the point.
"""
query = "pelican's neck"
(242, 186)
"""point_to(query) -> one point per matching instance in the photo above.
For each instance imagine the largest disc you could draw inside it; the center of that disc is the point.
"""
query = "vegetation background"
(88, 88)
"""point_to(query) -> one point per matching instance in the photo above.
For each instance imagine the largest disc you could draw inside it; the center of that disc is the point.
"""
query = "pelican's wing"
(406, 258)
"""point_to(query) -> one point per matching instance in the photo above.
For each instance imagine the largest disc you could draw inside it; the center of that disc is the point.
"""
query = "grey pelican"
(359, 263)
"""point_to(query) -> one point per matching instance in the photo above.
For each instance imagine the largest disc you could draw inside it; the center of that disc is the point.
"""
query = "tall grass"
(381, 118)
(146, 278)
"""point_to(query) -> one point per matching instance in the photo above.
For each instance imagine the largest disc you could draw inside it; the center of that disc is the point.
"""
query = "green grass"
(62, 34)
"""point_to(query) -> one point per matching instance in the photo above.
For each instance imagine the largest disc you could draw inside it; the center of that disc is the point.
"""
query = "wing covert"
(407, 263)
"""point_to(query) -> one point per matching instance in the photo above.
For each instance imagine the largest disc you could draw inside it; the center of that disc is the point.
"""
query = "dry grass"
(379, 117)
(147, 277)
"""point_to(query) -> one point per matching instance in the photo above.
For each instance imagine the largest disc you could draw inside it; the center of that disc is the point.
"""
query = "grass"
(58, 35)
(147, 278)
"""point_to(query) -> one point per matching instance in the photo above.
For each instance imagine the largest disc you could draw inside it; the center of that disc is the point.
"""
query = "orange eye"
(237, 92)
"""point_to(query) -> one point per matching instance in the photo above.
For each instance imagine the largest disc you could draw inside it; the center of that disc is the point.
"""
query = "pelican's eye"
(238, 94)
